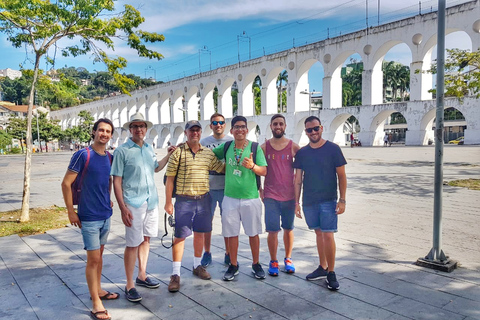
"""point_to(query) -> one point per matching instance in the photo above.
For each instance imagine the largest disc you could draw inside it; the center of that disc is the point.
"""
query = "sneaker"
(257, 271)
(149, 283)
(132, 295)
(331, 281)
(289, 267)
(273, 268)
(319, 273)
(174, 284)
(206, 259)
(227, 259)
(231, 272)
(202, 273)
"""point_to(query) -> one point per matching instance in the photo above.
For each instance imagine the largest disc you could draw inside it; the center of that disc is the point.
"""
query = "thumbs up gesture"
(248, 162)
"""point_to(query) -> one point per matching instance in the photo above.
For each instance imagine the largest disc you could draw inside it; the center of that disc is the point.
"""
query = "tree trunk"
(25, 215)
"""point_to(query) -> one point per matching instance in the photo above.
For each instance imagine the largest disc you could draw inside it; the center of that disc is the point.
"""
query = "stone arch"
(252, 131)
(123, 113)
(164, 104)
(152, 138)
(225, 105)
(191, 103)
(141, 106)
(152, 113)
(377, 126)
(178, 135)
(302, 100)
(164, 138)
(178, 106)
(124, 136)
(269, 91)
(246, 97)
(207, 105)
(131, 108)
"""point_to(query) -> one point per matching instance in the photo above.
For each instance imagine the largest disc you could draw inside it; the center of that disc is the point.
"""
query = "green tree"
(282, 81)
(352, 88)
(40, 24)
(85, 126)
(462, 73)
(5, 139)
(257, 95)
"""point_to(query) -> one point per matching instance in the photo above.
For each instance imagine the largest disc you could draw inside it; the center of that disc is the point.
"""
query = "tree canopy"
(87, 27)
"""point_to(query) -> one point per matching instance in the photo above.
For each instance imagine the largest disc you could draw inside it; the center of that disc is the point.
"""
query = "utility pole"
(436, 258)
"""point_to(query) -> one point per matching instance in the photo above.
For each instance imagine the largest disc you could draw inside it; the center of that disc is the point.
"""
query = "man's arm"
(342, 188)
(127, 216)
(162, 163)
(168, 194)
(67, 182)
(298, 189)
(260, 190)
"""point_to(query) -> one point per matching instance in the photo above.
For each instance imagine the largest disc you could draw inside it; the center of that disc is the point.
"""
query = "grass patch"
(41, 220)
(472, 184)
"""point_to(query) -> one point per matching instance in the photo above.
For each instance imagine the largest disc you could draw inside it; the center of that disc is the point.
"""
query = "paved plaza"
(386, 227)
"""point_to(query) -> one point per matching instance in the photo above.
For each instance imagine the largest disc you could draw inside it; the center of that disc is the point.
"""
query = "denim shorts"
(322, 216)
(217, 197)
(95, 233)
(192, 215)
(279, 210)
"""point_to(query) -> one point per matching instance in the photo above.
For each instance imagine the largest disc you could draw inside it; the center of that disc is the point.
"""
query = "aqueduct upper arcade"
(169, 104)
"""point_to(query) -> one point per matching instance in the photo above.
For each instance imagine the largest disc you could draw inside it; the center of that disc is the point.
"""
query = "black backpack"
(254, 156)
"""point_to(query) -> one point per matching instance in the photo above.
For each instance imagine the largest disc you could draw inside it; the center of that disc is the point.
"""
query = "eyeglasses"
(218, 122)
(243, 127)
(310, 130)
(141, 126)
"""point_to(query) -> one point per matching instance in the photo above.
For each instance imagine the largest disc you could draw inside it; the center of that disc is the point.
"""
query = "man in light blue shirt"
(133, 167)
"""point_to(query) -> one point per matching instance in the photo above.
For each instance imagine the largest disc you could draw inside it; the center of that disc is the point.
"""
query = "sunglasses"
(134, 126)
(310, 130)
(218, 122)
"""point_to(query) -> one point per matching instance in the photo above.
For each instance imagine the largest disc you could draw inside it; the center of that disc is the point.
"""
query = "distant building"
(9, 110)
(10, 73)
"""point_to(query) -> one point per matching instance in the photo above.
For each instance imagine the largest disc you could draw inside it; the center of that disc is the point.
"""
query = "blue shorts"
(95, 233)
(279, 210)
(322, 216)
(191, 215)
(217, 197)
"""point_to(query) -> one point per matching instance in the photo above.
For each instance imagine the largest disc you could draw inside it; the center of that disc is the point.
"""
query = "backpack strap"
(254, 157)
(84, 170)
(225, 148)
(109, 156)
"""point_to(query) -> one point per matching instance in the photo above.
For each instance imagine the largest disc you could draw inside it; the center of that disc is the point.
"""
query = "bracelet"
(342, 201)
(252, 167)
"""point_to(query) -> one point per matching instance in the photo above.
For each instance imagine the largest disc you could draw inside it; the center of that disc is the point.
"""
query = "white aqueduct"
(163, 104)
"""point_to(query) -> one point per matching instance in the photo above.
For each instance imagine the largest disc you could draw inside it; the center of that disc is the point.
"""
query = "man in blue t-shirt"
(318, 166)
(94, 208)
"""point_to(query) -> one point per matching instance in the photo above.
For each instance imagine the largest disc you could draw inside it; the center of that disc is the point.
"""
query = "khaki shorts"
(248, 212)
(144, 224)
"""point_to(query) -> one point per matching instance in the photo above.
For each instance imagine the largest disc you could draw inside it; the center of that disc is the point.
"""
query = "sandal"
(95, 315)
(108, 296)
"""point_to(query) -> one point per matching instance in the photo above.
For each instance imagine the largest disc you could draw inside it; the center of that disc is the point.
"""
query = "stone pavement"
(387, 226)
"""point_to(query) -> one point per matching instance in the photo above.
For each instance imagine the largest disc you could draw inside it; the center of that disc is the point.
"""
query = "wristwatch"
(341, 200)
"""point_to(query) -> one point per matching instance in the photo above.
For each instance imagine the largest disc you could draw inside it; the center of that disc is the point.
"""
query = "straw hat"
(137, 117)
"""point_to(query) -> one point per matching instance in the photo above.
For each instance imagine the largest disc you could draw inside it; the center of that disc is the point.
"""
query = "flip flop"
(108, 296)
(95, 315)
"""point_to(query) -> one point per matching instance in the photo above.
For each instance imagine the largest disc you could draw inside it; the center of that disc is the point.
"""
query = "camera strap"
(166, 233)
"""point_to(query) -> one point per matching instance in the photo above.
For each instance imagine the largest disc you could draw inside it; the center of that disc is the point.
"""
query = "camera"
(171, 221)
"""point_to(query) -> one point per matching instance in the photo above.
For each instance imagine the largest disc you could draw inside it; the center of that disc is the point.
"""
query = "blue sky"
(222, 30)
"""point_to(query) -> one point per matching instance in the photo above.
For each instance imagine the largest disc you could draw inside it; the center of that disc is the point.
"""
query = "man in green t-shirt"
(241, 203)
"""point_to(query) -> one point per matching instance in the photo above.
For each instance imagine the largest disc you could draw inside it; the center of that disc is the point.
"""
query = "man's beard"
(314, 140)
(278, 135)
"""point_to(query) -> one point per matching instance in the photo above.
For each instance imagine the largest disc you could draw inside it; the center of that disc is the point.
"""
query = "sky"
(204, 34)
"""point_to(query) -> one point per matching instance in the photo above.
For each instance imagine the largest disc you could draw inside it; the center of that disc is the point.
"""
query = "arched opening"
(351, 74)
(396, 74)
(282, 81)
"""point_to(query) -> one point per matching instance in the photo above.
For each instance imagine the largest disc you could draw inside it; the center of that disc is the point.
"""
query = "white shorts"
(144, 224)
(248, 211)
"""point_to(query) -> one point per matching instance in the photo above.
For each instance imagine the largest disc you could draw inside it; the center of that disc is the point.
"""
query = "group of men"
(216, 170)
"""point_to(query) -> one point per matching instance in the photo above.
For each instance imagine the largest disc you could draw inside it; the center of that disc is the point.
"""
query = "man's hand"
(298, 211)
(127, 216)
(171, 149)
(261, 193)
(248, 162)
(169, 208)
(340, 208)
(74, 220)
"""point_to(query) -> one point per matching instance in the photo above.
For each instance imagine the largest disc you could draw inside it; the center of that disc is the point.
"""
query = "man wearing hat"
(191, 164)
(133, 168)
